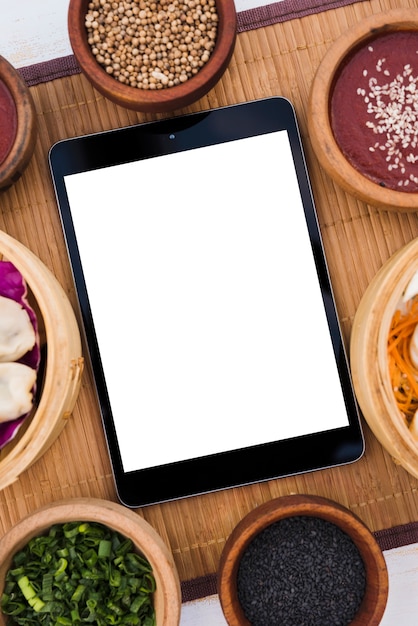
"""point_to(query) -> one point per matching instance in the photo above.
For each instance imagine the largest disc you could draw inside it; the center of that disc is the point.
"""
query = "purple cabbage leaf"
(13, 286)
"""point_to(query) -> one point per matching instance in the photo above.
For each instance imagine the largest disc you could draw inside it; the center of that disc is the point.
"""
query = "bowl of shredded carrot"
(384, 356)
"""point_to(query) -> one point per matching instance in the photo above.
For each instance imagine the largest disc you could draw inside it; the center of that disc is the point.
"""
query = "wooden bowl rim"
(26, 131)
(117, 517)
(324, 143)
(375, 599)
(161, 100)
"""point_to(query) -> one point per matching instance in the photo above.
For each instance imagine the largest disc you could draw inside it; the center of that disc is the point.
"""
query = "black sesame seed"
(301, 571)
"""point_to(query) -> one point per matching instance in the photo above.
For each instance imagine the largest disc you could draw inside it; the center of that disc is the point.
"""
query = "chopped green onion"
(105, 548)
(79, 573)
(29, 593)
(61, 566)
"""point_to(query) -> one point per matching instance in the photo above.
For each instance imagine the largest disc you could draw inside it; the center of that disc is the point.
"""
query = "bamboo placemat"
(280, 59)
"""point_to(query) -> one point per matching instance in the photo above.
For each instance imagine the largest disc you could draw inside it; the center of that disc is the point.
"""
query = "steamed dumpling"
(17, 335)
(16, 384)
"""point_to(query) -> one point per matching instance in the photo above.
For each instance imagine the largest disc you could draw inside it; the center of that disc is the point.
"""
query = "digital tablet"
(206, 302)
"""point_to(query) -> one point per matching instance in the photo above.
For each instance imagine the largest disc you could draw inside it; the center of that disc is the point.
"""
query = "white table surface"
(36, 31)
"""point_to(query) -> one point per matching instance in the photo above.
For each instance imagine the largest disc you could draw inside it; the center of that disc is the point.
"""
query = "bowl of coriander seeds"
(154, 56)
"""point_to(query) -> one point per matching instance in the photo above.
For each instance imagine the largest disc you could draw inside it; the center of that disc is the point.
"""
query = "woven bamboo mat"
(276, 60)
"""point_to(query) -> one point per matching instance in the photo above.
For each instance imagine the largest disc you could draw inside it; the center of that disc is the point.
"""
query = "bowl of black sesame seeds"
(302, 559)
(363, 110)
(152, 56)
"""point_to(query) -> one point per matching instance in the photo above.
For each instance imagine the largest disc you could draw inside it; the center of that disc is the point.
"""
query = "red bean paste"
(8, 121)
(374, 110)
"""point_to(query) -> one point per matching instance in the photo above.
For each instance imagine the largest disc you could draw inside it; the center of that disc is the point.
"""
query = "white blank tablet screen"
(205, 300)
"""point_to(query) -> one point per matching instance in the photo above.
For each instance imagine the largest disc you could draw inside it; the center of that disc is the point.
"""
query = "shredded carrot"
(403, 373)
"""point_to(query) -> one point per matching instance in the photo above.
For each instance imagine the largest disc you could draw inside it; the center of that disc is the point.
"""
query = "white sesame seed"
(392, 110)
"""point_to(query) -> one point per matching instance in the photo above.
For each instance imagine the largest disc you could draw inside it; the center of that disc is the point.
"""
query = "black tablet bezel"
(258, 463)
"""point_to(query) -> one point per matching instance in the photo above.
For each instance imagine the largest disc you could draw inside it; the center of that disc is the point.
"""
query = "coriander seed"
(152, 46)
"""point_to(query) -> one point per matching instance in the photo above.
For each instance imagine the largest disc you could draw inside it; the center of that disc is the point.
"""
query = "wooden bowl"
(167, 598)
(159, 100)
(374, 601)
(63, 364)
(324, 143)
(369, 356)
(18, 124)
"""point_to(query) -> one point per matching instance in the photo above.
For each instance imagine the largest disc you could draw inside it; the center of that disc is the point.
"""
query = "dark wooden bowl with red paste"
(363, 110)
(18, 127)
(302, 559)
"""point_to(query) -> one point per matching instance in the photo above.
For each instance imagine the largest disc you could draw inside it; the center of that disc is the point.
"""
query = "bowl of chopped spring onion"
(87, 561)
(383, 354)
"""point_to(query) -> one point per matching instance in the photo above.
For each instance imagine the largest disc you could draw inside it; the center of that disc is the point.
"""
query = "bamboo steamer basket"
(369, 358)
(63, 368)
